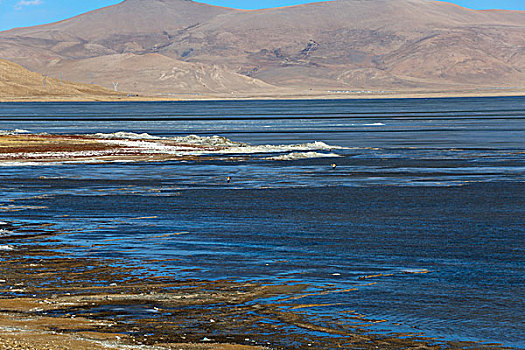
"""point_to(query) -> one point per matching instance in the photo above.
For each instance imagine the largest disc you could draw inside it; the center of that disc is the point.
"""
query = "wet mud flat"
(52, 300)
(45, 148)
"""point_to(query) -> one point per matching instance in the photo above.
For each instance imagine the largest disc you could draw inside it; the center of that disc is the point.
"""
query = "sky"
(21, 13)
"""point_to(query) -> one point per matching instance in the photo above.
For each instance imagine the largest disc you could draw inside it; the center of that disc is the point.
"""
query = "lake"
(423, 214)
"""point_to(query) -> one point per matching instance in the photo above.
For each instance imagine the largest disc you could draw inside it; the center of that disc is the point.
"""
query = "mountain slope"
(157, 74)
(16, 81)
(342, 44)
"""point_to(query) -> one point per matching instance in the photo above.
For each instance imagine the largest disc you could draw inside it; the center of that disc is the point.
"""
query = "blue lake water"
(421, 185)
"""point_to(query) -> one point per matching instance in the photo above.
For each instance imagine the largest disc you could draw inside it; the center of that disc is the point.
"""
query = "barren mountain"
(16, 81)
(173, 46)
(156, 74)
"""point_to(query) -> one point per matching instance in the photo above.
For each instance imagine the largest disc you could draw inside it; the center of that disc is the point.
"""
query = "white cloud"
(23, 3)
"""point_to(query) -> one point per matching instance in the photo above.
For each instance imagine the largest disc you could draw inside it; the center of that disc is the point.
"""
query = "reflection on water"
(433, 186)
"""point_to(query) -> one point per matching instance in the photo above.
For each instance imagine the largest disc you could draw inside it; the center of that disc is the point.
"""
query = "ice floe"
(303, 155)
(14, 132)
(4, 232)
(16, 164)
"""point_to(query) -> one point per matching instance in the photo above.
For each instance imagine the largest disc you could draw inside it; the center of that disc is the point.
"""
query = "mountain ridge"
(359, 44)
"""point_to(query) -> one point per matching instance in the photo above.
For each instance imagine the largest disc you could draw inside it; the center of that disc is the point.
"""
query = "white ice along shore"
(125, 143)
(190, 145)
(303, 155)
(4, 232)
(14, 132)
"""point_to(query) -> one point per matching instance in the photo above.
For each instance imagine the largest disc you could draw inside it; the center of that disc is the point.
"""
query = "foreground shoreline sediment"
(51, 300)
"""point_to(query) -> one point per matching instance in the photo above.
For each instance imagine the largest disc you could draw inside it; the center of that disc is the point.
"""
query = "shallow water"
(431, 186)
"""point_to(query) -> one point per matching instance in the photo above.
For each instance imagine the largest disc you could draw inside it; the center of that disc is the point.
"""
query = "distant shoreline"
(282, 96)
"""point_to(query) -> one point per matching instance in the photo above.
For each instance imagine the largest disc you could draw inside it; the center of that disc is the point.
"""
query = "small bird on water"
(228, 179)
(334, 165)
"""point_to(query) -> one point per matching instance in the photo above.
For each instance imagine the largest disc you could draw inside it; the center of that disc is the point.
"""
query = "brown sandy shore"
(53, 299)
(292, 95)
(43, 148)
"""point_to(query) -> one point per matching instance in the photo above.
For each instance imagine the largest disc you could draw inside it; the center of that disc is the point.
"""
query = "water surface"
(427, 185)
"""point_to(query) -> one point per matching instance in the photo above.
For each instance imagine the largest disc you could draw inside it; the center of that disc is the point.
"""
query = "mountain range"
(185, 47)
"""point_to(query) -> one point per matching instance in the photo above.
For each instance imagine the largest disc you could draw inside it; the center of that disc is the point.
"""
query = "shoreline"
(48, 148)
(269, 96)
(36, 149)
(50, 299)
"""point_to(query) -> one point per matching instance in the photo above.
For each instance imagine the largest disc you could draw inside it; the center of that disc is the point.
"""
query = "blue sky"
(19, 13)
